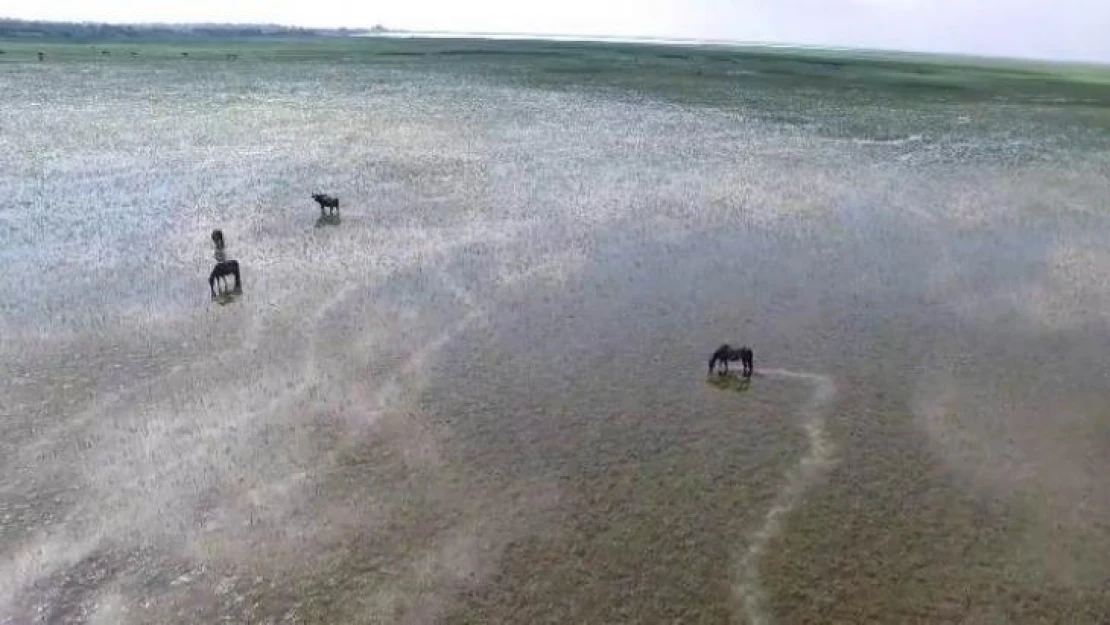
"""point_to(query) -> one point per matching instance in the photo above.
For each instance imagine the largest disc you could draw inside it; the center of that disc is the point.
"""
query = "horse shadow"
(328, 219)
(730, 382)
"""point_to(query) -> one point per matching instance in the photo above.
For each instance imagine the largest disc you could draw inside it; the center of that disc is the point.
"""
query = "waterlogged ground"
(479, 395)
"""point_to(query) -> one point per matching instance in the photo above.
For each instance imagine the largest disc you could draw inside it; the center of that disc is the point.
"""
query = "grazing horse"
(218, 239)
(326, 201)
(724, 354)
(221, 271)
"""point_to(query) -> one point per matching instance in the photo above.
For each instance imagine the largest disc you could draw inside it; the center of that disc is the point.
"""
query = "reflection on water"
(225, 295)
(730, 382)
(329, 219)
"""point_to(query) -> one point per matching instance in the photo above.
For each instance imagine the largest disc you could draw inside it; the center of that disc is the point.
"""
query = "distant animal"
(221, 271)
(184, 54)
(105, 52)
(42, 55)
(725, 354)
(326, 201)
(218, 239)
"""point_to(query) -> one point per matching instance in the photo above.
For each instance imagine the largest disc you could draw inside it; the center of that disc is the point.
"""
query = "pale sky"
(1059, 29)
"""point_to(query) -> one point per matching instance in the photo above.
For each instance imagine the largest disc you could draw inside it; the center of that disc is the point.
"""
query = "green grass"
(700, 72)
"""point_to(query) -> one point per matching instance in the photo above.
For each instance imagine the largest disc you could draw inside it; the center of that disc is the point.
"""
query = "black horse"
(326, 201)
(218, 239)
(724, 354)
(221, 271)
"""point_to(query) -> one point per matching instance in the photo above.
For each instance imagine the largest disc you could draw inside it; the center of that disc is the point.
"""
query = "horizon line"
(380, 30)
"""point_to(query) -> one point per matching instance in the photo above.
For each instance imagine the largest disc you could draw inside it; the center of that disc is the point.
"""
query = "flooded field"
(478, 394)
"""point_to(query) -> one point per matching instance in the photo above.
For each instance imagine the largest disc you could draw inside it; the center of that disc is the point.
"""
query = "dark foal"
(725, 354)
(326, 201)
(221, 271)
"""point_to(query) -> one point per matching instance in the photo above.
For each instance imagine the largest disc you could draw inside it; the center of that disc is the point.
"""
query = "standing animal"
(221, 271)
(724, 354)
(326, 201)
(218, 239)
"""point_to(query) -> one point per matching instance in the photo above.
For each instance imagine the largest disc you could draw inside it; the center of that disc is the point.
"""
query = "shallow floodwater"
(479, 394)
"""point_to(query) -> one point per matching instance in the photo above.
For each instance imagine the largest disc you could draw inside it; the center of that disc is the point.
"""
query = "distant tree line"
(93, 31)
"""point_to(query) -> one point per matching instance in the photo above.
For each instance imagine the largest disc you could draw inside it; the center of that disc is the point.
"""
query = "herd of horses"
(229, 268)
(226, 268)
(42, 55)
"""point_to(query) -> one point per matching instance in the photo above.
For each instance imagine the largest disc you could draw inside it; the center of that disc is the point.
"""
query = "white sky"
(1060, 29)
